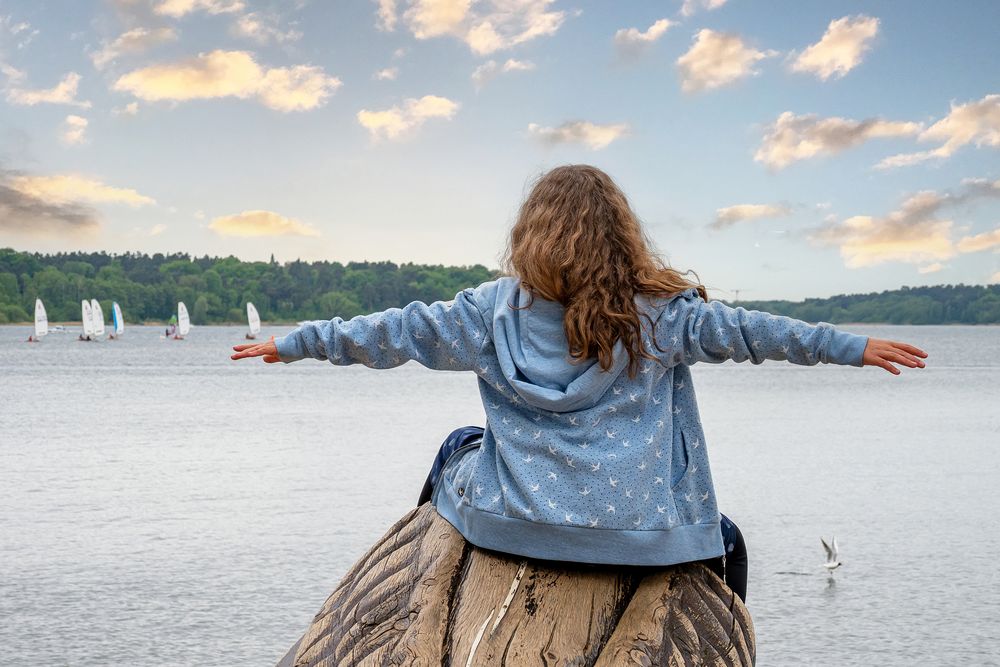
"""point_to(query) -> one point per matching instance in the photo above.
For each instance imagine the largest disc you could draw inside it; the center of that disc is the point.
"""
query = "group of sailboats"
(93, 321)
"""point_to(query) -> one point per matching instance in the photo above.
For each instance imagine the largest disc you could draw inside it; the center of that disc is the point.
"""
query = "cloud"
(916, 233)
(973, 122)
(717, 59)
(729, 216)
(792, 138)
(387, 15)
(690, 7)
(980, 242)
(137, 40)
(841, 48)
(178, 8)
(24, 214)
(231, 74)
(632, 43)
(995, 278)
(156, 230)
(63, 92)
(490, 69)
(591, 135)
(263, 29)
(18, 33)
(387, 74)
(501, 25)
(930, 268)
(260, 223)
(130, 109)
(56, 205)
(74, 130)
(67, 189)
(397, 121)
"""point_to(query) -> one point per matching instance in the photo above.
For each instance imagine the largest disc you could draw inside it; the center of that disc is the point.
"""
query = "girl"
(593, 449)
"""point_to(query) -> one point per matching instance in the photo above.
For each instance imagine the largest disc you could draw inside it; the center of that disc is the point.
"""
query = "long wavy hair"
(577, 241)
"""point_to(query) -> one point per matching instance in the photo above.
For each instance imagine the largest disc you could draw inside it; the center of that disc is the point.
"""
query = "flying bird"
(832, 562)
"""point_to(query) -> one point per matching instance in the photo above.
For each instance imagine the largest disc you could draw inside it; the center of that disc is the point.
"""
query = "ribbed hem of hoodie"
(577, 544)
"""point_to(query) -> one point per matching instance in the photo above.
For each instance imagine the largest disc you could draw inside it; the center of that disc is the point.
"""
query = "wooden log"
(424, 596)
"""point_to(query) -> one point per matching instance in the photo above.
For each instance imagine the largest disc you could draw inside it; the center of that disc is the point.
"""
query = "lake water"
(162, 505)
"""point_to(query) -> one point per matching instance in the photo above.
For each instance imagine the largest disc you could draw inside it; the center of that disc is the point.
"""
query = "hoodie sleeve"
(714, 332)
(445, 335)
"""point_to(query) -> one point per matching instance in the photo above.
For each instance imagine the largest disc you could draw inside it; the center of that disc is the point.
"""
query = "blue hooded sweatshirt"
(576, 463)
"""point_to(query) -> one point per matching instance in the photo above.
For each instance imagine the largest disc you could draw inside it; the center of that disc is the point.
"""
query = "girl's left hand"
(267, 350)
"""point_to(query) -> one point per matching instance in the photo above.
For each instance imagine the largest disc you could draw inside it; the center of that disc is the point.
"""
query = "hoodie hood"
(534, 355)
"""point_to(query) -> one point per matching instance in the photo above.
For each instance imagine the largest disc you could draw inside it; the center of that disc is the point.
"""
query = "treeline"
(216, 289)
(938, 304)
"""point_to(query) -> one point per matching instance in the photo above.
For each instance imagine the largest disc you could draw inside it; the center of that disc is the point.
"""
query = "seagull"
(831, 563)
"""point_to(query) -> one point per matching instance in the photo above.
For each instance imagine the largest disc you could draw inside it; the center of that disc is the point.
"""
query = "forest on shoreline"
(216, 290)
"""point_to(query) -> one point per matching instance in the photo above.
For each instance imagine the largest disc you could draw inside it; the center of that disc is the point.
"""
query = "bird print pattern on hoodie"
(576, 463)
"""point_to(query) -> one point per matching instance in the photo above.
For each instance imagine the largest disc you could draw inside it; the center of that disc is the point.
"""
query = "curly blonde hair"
(577, 241)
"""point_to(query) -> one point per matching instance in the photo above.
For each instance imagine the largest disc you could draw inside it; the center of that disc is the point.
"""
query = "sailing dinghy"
(183, 321)
(97, 313)
(87, 315)
(41, 322)
(118, 319)
(253, 319)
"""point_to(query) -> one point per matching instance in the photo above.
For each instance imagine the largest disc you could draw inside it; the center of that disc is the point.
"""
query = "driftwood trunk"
(424, 596)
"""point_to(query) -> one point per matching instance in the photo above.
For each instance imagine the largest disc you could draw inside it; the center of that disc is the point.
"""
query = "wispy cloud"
(589, 134)
(397, 121)
(180, 8)
(264, 29)
(134, 41)
(74, 130)
(691, 7)
(130, 109)
(63, 92)
(490, 26)
(490, 69)
(915, 233)
(260, 223)
(841, 49)
(730, 215)
(971, 123)
(231, 74)
(157, 229)
(930, 268)
(387, 74)
(632, 42)
(65, 189)
(717, 59)
(792, 138)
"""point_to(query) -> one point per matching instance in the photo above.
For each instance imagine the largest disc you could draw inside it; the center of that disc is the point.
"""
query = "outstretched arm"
(445, 335)
(714, 332)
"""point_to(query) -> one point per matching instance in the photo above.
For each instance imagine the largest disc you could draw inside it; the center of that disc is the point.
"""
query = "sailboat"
(118, 319)
(41, 322)
(183, 321)
(254, 320)
(98, 317)
(87, 315)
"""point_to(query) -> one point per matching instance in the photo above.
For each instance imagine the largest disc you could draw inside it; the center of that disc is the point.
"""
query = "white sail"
(41, 319)
(253, 318)
(98, 314)
(119, 319)
(183, 320)
(88, 318)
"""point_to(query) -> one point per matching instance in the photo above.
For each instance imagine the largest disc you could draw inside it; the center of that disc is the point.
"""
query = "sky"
(781, 150)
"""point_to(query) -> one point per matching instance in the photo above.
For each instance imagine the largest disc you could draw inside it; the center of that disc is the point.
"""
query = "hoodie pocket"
(680, 465)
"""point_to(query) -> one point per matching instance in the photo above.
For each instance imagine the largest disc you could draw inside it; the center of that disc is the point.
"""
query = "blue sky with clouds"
(784, 149)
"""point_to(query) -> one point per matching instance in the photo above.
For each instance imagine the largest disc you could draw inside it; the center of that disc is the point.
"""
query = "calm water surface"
(161, 505)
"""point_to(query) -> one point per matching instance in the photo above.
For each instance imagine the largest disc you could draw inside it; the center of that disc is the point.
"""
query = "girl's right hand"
(884, 353)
